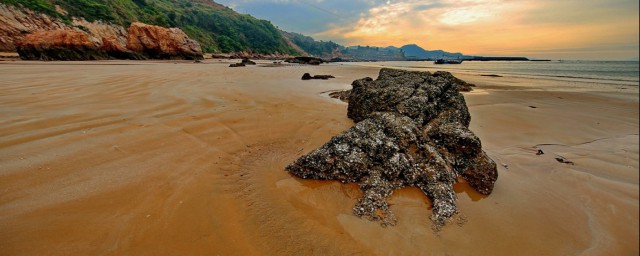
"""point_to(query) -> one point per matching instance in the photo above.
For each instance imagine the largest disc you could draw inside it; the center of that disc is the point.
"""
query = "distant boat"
(445, 61)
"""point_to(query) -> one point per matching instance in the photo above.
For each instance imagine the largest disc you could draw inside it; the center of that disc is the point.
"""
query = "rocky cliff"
(16, 23)
(217, 28)
(162, 43)
(412, 129)
(37, 36)
(60, 44)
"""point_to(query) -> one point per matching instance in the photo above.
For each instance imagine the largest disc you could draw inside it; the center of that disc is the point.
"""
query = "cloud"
(304, 16)
(493, 27)
(482, 27)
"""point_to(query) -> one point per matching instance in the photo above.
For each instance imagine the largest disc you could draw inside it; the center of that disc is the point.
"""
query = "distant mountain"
(373, 53)
(392, 53)
(412, 51)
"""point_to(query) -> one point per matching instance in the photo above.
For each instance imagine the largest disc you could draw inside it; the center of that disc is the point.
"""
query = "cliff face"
(61, 44)
(106, 36)
(40, 37)
(16, 23)
(162, 43)
(217, 28)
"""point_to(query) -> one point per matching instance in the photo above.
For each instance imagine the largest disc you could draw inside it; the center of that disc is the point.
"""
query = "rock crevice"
(411, 130)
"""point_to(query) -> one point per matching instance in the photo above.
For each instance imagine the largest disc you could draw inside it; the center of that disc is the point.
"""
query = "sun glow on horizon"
(493, 27)
(568, 29)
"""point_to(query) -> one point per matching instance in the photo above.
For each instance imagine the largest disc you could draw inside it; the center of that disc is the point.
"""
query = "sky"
(543, 29)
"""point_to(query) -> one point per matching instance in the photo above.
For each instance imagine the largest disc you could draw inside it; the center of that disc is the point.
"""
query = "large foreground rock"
(162, 43)
(411, 130)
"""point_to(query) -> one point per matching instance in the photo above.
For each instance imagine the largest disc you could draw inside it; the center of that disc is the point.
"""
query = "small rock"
(246, 61)
(341, 95)
(308, 76)
(564, 161)
(540, 152)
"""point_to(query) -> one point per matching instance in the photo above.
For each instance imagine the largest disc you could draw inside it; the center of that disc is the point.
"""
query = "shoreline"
(189, 158)
(264, 61)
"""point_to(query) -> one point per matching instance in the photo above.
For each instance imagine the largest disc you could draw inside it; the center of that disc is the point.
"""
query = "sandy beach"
(164, 158)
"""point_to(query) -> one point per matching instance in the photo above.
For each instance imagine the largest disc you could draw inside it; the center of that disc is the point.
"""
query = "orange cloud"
(547, 29)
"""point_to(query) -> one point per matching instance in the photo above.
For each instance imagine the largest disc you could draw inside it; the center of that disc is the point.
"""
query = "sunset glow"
(589, 29)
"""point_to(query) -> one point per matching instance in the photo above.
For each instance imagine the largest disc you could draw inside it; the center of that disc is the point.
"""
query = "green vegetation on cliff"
(216, 27)
(313, 47)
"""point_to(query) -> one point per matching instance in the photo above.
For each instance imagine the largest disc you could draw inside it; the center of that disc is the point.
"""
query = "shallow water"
(610, 72)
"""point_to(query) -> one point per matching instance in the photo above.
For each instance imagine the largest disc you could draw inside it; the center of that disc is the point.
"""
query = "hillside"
(216, 27)
(412, 51)
(373, 53)
(311, 46)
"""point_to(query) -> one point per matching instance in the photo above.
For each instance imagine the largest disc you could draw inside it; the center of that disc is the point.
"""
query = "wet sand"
(157, 158)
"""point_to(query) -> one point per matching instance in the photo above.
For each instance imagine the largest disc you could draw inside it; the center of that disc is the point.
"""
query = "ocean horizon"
(602, 72)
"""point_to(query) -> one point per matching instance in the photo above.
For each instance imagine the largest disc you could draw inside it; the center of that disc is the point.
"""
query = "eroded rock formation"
(162, 43)
(16, 23)
(36, 36)
(411, 130)
(104, 41)
(62, 44)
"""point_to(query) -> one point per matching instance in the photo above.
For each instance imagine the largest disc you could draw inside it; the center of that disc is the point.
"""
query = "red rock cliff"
(61, 44)
(162, 43)
(16, 23)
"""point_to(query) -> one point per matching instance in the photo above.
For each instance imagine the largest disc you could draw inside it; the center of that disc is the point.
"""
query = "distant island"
(412, 52)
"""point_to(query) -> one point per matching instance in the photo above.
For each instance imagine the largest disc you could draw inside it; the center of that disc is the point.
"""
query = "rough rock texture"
(341, 95)
(37, 36)
(109, 37)
(62, 44)
(16, 23)
(307, 76)
(305, 60)
(411, 130)
(99, 31)
(247, 61)
(162, 43)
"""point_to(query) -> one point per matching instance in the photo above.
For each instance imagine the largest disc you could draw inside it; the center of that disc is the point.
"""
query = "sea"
(603, 72)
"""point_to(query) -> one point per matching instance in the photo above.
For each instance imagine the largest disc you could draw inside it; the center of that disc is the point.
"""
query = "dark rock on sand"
(411, 130)
(247, 61)
(308, 76)
(564, 160)
(235, 65)
(341, 95)
(305, 60)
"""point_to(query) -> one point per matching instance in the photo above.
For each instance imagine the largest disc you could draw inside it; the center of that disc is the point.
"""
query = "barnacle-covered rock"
(411, 130)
